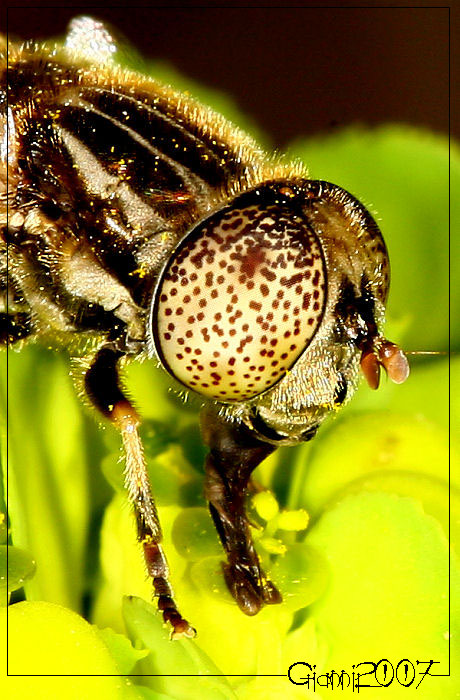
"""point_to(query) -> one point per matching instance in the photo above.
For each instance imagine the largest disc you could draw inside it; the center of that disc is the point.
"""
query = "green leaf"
(425, 392)
(47, 639)
(371, 443)
(388, 592)
(121, 650)
(208, 577)
(166, 657)
(194, 535)
(273, 689)
(141, 692)
(403, 449)
(301, 574)
(19, 565)
(3, 528)
(48, 484)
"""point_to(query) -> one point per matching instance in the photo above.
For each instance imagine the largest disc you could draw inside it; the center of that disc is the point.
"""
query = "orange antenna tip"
(370, 367)
(394, 361)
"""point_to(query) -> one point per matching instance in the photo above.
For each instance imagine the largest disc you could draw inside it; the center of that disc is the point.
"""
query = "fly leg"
(103, 388)
(234, 453)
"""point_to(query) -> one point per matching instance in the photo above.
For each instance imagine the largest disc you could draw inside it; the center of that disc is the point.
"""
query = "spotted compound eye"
(239, 300)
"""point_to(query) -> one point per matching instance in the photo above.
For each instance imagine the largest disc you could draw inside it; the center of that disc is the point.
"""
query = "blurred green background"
(367, 580)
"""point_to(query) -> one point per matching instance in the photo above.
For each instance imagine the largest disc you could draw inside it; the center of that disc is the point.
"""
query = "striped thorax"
(119, 186)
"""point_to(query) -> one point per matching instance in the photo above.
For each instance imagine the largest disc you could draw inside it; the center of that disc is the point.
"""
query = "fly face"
(270, 305)
(141, 222)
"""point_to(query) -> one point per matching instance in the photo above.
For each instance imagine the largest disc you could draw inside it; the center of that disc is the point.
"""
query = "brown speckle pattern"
(257, 299)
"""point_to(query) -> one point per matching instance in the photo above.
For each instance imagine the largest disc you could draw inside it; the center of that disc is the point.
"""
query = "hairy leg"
(103, 388)
(234, 453)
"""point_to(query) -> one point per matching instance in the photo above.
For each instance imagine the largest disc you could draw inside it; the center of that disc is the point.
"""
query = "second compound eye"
(239, 300)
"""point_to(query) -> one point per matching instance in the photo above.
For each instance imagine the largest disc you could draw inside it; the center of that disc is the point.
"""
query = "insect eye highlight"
(239, 300)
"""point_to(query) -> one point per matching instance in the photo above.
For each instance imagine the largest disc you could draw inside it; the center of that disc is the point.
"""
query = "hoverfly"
(143, 224)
